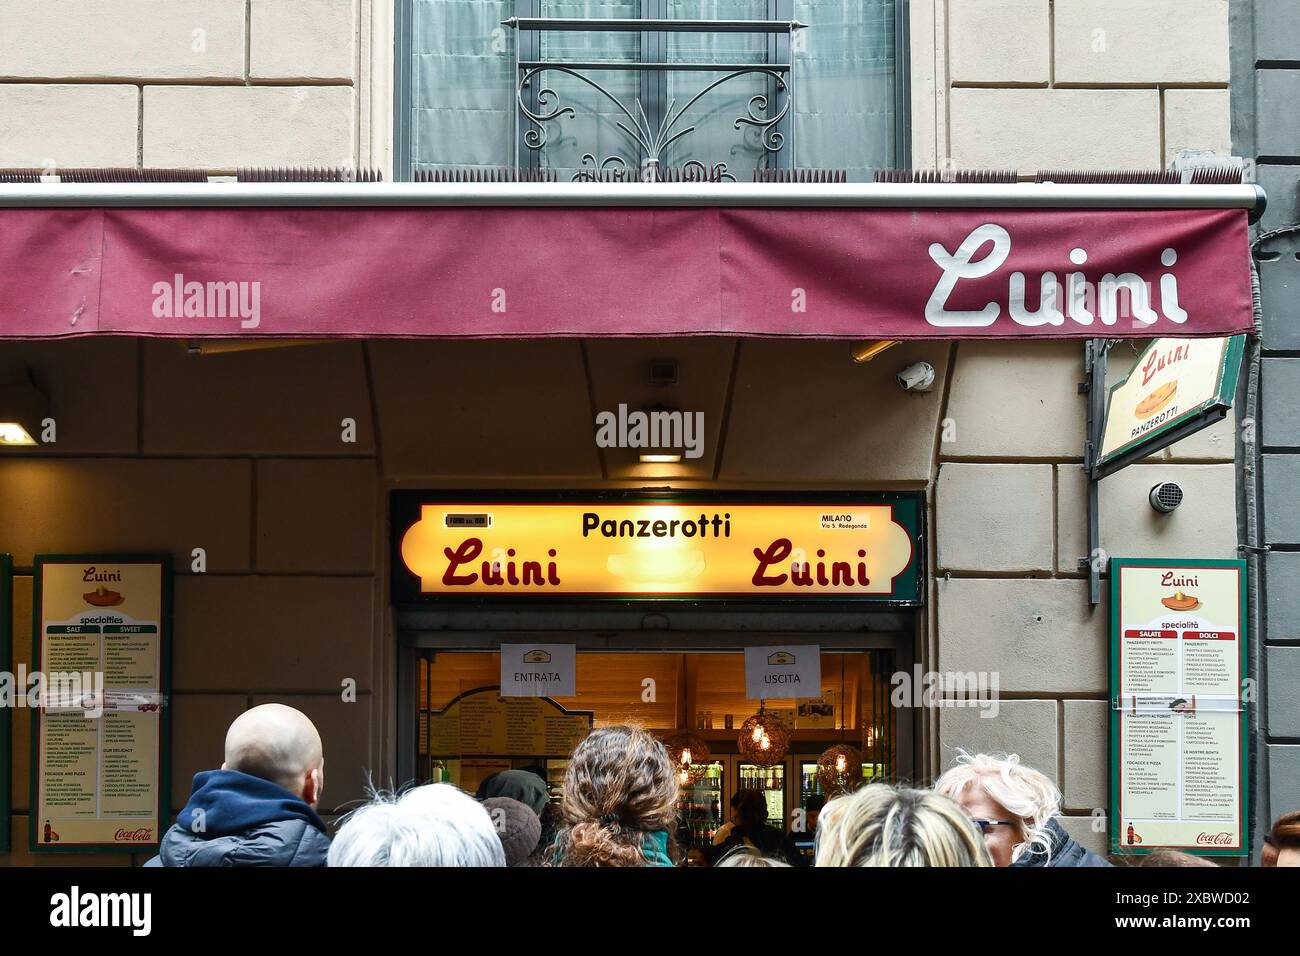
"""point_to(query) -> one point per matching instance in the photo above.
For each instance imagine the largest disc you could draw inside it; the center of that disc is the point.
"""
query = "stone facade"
(241, 453)
(1056, 84)
(212, 84)
(1032, 84)
(1265, 47)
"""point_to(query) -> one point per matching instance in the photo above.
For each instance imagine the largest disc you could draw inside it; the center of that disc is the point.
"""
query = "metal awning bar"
(635, 25)
(633, 65)
(824, 195)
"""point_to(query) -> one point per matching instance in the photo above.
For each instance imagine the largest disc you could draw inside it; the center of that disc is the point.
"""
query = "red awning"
(507, 271)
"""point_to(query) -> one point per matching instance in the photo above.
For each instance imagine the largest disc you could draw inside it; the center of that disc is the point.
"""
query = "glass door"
(771, 781)
(701, 807)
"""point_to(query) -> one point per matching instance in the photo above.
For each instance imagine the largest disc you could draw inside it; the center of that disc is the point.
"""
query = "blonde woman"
(1015, 807)
(880, 825)
(747, 856)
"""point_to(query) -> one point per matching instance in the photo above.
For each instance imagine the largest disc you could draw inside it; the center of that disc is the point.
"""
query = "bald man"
(259, 808)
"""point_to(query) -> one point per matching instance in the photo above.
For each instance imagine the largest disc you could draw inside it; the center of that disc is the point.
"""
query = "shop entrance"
(459, 729)
(652, 620)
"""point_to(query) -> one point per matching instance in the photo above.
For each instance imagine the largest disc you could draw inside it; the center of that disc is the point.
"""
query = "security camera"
(917, 377)
(1166, 496)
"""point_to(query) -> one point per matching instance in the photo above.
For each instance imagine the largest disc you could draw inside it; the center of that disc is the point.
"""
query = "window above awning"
(519, 260)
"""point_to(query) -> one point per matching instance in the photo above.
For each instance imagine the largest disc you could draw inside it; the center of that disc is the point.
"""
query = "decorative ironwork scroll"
(540, 106)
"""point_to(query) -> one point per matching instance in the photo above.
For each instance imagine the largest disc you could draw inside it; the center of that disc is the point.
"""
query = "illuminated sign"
(845, 547)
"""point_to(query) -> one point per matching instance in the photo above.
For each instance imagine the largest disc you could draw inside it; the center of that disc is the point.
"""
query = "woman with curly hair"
(619, 806)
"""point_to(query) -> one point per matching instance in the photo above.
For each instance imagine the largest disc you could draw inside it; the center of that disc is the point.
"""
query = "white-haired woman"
(1016, 809)
(433, 825)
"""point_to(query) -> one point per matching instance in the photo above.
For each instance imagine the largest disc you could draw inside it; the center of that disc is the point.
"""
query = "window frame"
(653, 83)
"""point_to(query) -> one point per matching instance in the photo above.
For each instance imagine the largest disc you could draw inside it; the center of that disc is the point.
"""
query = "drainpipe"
(1254, 549)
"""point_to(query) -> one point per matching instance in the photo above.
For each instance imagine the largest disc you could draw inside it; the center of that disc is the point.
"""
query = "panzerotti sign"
(860, 547)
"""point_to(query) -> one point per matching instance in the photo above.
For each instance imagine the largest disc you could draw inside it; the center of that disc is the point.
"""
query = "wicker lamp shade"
(839, 769)
(764, 738)
(689, 754)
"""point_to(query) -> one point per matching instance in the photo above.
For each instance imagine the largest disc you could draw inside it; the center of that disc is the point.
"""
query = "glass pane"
(464, 110)
(462, 100)
(845, 85)
(718, 684)
(610, 691)
(594, 129)
(611, 685)
(717, 138)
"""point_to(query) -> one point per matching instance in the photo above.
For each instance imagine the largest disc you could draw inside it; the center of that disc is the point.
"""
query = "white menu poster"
(100, 735)
(1178, 754)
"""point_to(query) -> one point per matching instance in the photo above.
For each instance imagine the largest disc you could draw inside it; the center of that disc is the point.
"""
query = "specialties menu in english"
(100, 731)
(1178, 718)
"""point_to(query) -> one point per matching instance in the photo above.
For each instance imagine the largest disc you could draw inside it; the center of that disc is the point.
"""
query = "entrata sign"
(539, 670)
(833, 547)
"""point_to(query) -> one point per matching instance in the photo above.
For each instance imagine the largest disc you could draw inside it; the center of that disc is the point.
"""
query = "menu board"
(482, 723)
(100, 738)
(1178, 718)
(6, 710)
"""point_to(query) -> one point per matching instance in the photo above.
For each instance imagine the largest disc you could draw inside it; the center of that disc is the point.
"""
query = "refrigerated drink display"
(771, 780)
(700, 805)
(810, 784)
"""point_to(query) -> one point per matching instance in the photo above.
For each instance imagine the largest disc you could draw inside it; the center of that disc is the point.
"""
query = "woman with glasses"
(1016, 808)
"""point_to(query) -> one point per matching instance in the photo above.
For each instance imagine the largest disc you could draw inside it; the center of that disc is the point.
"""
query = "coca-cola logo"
(139, 835)
(1215, 839)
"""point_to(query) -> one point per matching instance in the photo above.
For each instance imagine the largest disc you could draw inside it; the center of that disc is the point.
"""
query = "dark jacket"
(769, 841)
(233, 819)
(1065, 852)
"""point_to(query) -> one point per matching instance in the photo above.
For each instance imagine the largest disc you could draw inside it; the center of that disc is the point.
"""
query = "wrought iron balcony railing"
(651, 131)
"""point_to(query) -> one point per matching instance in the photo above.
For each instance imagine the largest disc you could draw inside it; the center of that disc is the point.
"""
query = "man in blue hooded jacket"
(259, 808)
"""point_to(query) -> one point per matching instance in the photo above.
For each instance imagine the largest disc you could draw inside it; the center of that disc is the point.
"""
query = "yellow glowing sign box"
(847, 547)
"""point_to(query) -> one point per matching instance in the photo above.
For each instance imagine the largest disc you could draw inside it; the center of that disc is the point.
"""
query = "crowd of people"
(619, 807)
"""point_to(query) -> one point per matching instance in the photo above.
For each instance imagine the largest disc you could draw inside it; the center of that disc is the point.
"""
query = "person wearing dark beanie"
(517, 825)
(528, 788)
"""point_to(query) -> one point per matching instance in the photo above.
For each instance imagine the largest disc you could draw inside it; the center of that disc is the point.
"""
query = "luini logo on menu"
(179, 299)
